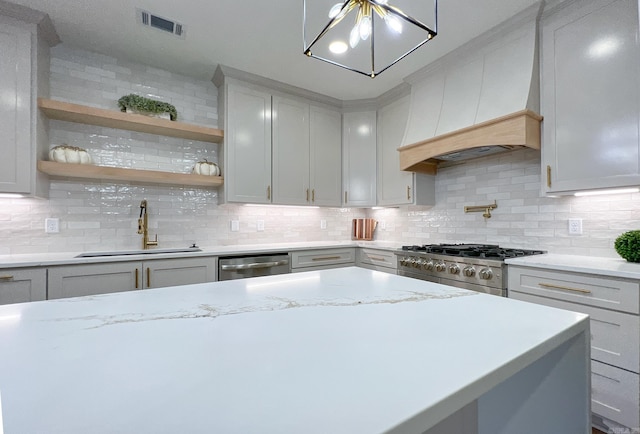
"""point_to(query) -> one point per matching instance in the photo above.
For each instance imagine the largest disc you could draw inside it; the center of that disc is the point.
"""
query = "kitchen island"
(336, 351)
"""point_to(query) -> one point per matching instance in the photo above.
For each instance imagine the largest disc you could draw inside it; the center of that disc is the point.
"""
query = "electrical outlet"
(323, 224)
(575, 226)
(383, 225)
(235, 225)
(52, 226)
(260, 225)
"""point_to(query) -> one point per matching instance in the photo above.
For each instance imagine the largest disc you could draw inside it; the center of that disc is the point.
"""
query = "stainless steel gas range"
(479, 267)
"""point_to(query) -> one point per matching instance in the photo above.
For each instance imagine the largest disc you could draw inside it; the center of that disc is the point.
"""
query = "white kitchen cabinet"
(92, 279)
(247, 150)
(359, 158)
(290, 123)
(325, 163)
(395, 186)
(377, 259)
(23, 73)
(22, 285)
(591, 96)
(613, 306)
(322, 259)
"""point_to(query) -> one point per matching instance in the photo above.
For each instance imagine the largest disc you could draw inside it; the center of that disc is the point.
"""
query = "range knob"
(440, 266)
(421, 263)
(428, 265)
(469, 271)
(454, 269)
(486, 274)
(414, 263)
(404, 261)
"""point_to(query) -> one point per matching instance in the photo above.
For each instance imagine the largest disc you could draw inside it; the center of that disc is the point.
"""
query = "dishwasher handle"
(254, 265)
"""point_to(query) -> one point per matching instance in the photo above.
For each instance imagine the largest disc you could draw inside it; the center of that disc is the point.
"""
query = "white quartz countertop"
(70, 258)
(614, 267)
(336, 351)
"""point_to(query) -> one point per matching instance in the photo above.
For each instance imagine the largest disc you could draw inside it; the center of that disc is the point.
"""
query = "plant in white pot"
(138, 104)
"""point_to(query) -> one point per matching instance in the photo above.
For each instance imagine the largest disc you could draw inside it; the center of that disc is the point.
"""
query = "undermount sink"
(138, 252)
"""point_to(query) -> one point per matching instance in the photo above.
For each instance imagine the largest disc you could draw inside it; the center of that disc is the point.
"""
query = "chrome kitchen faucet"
(143, 227)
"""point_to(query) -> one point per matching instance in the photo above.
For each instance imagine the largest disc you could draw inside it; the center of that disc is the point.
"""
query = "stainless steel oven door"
(230, 268)
(457, 284)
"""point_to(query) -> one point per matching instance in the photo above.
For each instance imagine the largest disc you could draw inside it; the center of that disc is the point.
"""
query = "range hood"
(481, 99)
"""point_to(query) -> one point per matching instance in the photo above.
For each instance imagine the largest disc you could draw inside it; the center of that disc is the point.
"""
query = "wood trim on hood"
(519, 129)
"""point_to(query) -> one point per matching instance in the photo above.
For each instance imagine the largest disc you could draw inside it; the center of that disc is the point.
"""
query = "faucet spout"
(143, 227)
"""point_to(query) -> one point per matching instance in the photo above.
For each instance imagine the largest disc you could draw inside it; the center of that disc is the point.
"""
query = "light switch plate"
(52, 226)
(235, 225)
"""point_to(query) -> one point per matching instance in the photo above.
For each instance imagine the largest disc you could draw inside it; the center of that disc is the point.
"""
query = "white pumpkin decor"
(69, 154)
(206, 168)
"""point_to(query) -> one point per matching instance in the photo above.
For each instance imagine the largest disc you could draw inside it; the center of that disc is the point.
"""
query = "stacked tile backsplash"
(103, 215)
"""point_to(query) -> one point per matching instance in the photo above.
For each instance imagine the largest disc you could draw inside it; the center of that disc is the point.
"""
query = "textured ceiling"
(261, 37)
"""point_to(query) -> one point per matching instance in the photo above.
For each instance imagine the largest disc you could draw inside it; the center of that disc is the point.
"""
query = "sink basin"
(138, 252)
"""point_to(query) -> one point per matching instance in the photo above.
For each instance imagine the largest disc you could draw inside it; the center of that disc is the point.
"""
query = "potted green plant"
(628, 246)
(138, 104)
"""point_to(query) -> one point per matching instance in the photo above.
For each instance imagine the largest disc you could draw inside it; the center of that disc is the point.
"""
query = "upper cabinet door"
(359, 159)
(290, 152)
(17, 163)
(325, 165)
(247, 150)
(590, 96)
(395, 187)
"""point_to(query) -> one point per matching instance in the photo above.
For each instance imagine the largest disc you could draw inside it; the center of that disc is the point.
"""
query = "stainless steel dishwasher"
(242, 267)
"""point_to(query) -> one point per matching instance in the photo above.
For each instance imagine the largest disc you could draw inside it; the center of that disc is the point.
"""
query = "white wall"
(103, 216)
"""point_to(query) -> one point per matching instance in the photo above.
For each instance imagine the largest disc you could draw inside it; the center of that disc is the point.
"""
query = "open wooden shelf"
(89, 171)
(82, 114)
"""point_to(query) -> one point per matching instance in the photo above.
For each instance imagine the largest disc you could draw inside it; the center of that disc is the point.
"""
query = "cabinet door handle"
(549, 176)
(137, 278)
(268, 192)
(408, 192)
(325, 258)
(565, 288)
(313, 195)
(307, 195)
(148, 277)
(7, 277)
(345, 197)
(374, 258)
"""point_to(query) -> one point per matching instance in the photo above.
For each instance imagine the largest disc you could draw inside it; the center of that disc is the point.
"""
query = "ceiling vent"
(147, 19)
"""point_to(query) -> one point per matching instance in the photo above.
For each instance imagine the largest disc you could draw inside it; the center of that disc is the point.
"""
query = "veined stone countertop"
(49, 259)
(336, 351)
(614, 267)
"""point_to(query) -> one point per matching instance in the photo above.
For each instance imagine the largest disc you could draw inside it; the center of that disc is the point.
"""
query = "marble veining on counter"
(614, 267)
(341, 351)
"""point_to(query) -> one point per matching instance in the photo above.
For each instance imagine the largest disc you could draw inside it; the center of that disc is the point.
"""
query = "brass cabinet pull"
(374, 258)
(137, 277)
(268, 192)
(566, 288)
(7, 277)
(345, 197)
(408, 192)
(148, 277)
(325, 258)
(313, 195)
(549, 176)
(307, 195)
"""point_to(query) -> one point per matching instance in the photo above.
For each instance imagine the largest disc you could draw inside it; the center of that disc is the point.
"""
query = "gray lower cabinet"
(613, 306)
(22, 285)
(322, 259)
(92, 279)
(377, 259)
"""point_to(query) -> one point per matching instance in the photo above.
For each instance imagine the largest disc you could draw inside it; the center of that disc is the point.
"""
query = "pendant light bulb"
(354, 36)
(393, 23)
(365, 28)
(382, 2)
(335, 10)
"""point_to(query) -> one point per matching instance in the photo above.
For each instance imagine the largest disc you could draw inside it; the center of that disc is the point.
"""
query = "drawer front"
(609, 293)
(382, 258)
(614, 394)
(615, 336)
(322, 257)
(22, 285)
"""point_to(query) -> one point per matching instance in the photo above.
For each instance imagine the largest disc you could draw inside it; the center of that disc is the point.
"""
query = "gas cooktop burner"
(487, 251)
